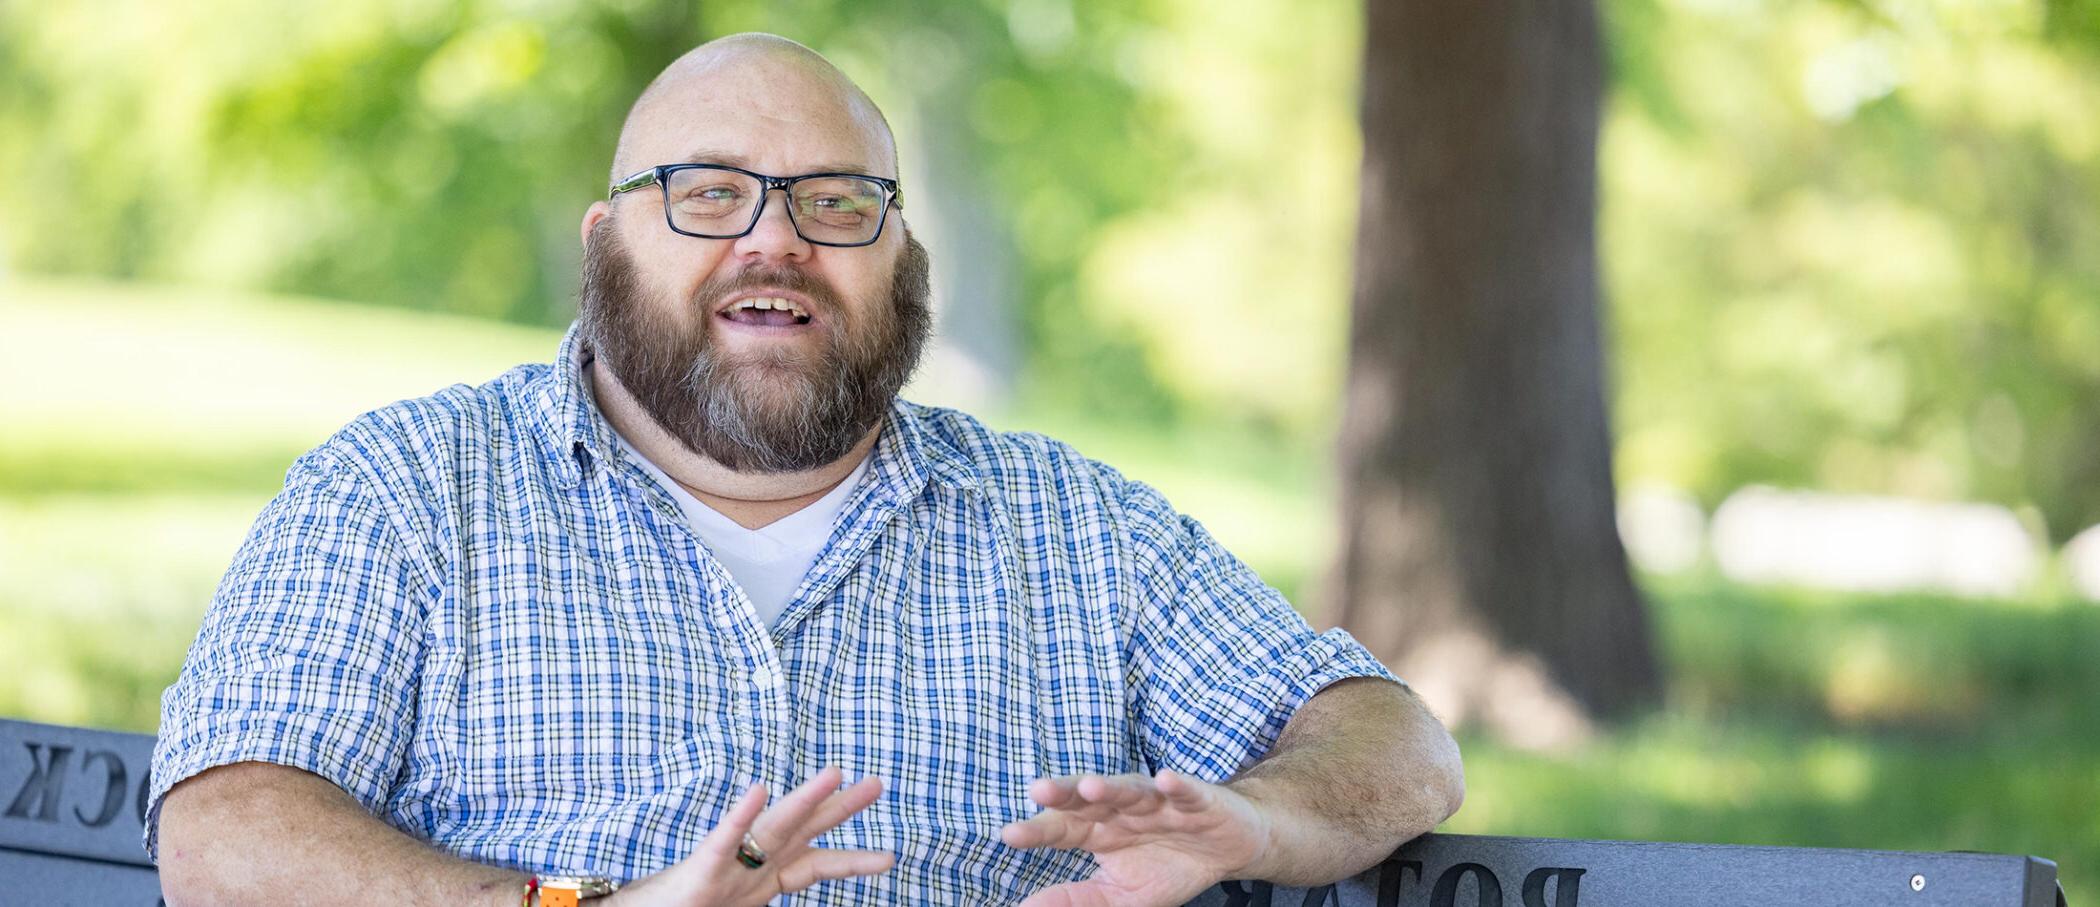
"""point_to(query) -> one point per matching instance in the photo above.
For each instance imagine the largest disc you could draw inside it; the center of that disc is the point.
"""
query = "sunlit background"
(1852, 257)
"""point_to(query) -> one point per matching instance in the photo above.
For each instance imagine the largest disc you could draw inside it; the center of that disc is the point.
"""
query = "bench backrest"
(75, 807)
(73, 813)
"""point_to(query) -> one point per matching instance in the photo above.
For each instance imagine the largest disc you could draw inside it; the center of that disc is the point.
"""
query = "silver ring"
(750, 854)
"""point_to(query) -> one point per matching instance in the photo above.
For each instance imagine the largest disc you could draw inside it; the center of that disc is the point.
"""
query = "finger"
(1122, 793)
(1054, 828)
(1054, 793)
(1100, 798)
(736, 821)
(823, 864)
(835, 809)
(1075, 829)
(777, 827)
(1186, 793)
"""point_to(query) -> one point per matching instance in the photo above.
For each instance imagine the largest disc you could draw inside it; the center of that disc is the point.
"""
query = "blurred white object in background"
(1872, 544)
(2081, 558)
(1663, 527)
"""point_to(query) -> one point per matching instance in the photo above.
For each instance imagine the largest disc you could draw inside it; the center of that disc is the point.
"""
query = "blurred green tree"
(1849, 244)
(1855, 246)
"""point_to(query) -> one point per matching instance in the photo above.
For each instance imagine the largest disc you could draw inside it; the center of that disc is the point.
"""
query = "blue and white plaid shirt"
(485, 622)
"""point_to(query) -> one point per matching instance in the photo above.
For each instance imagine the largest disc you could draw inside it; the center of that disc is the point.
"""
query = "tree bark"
(1481, 557)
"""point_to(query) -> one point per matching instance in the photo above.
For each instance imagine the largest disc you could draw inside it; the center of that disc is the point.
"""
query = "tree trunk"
(976, 284)
(1481, 557)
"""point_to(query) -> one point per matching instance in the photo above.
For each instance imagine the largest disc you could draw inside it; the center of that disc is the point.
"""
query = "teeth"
(766, 303)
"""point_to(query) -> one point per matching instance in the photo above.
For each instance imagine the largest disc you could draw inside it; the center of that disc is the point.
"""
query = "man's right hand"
(713, 876)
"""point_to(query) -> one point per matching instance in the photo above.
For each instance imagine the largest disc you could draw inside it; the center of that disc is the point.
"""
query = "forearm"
(255, 833)
(1362, 768)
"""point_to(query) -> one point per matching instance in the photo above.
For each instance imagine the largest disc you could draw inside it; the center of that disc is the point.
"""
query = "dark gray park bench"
(76, 804)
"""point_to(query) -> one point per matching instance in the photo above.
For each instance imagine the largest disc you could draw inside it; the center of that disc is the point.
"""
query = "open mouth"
(766, 311)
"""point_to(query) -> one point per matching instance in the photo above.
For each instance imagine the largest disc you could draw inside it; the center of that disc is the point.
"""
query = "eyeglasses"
(712, 201)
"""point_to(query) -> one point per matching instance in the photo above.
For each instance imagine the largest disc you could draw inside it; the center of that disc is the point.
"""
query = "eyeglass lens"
(829, 209)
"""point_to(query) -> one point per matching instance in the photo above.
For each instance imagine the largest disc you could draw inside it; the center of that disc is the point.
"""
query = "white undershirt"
(768, 562)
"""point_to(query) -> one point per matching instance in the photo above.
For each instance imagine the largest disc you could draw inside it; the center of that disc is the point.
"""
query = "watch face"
(584, 886)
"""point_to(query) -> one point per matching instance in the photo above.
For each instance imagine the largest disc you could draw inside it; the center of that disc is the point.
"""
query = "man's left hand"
(1159, 840)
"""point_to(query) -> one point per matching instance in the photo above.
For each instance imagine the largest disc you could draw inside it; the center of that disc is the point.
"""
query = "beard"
(790, 409)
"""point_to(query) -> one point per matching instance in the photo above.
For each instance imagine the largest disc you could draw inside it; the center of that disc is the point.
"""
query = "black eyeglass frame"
(660, 175)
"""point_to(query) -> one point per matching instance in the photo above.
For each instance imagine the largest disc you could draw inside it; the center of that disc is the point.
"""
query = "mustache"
(819, 291)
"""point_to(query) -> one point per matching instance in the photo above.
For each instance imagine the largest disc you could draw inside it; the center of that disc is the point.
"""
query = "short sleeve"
(307, 654)
(1219, 660)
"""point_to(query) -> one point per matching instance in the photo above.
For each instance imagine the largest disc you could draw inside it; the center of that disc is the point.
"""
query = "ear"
(591, 216)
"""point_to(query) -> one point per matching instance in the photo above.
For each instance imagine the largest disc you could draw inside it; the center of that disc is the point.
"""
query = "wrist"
(499, 888)
(1266, 822)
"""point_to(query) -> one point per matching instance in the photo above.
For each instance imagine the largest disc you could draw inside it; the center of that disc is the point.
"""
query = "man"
(580, 620)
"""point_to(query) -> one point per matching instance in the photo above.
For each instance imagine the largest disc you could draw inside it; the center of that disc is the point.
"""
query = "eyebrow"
(733, 159)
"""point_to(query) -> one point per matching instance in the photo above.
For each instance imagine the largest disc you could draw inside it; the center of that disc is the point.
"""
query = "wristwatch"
(565, 891)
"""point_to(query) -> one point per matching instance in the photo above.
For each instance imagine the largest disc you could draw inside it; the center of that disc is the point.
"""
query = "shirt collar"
(568, 413)
(907, 455)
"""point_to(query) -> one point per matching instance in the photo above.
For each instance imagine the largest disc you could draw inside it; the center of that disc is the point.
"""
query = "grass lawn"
(1836, 721)
(146, 426)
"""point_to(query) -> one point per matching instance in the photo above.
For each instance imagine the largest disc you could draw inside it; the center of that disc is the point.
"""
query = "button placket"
(759, 716)
(775, 720)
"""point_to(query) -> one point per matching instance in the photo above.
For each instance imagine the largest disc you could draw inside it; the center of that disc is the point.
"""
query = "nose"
(774, 236)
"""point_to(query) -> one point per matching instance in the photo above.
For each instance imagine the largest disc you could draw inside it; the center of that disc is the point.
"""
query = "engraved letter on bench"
(47, 778)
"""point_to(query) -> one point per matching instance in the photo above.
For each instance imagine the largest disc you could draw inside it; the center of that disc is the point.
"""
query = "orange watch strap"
(565, 891)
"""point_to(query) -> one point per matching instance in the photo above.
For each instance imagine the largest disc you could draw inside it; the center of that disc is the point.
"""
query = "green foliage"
(1851, 245)
(2073, 22)
(1855, 246)
(1177, 176)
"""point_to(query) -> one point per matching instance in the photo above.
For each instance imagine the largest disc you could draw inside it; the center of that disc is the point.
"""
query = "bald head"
(760, 98)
